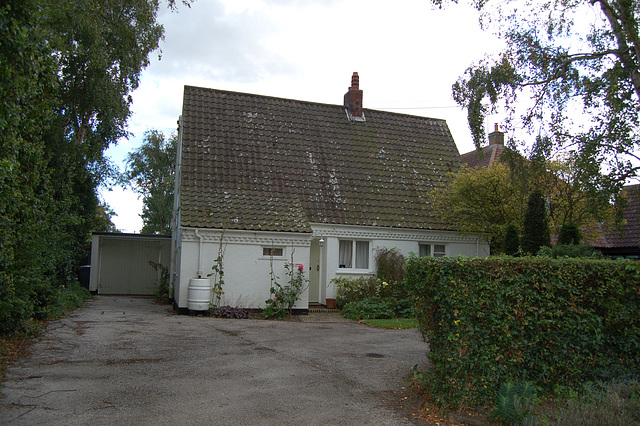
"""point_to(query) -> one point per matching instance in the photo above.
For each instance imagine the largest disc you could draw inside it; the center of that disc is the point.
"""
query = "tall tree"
(569, 198)
(481, 201)
(102, 46)
(151, 172)
(486, 200)
(575, 64)
(27, 79)
(66, 73)
(535, 229)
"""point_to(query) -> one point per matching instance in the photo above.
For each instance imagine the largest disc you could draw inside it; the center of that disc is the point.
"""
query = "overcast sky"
(407, 53)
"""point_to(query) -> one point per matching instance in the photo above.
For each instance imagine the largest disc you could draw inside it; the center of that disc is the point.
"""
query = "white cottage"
(272, 178)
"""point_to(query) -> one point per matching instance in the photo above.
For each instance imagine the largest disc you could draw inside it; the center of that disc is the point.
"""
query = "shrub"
(354, 289)
(371, 308)
(511, 240)
(230, 312)
(570, 251)
(514, 402)
(547, 321)
(163, 293)
(390, 267)
(283, 297)
(405, 309)
(569, 234)
(535, 232)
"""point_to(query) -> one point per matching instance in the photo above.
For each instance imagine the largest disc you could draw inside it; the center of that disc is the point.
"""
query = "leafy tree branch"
(570, 72)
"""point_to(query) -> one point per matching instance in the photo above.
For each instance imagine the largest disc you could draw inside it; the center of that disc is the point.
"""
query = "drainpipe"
(477, 247)
(199, 254)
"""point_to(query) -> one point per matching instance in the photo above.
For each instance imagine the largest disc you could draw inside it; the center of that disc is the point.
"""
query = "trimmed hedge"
(547, 321)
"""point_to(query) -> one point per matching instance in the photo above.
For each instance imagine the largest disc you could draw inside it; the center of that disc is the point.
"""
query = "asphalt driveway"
(124, 360)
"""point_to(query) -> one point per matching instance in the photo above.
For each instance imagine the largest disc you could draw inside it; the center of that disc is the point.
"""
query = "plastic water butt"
(199, 296)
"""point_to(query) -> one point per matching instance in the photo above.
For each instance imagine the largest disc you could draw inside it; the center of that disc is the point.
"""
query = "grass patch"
(396, 323)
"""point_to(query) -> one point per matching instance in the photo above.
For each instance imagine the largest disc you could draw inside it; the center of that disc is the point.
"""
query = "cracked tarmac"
(127, 360)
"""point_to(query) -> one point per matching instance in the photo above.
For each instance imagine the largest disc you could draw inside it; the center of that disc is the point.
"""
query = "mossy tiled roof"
(263, 163)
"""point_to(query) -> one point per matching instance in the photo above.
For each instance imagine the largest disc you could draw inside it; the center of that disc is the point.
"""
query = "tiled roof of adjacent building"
(488, 155)
(263, 163)
(629, 235)
(483, 157)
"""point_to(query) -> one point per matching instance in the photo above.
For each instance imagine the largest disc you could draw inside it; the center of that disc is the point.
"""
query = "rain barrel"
(199, 296)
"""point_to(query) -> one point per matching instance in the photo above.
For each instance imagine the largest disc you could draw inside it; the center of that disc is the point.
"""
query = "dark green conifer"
(569, 234)
(535, 233)
(511, 240)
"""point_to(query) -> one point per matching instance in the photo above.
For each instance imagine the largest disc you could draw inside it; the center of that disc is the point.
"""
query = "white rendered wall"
(246, 270)
(406, 241)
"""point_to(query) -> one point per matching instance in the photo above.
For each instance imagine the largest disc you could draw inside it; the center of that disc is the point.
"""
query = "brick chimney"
(496, 137)
(353, 99)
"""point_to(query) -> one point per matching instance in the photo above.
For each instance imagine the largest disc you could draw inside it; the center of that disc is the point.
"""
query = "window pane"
(273, 251)
(425, 250)
(362, 254)
(345, 254)
(438, 250)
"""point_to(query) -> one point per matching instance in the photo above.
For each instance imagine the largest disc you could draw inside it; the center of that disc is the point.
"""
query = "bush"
(570, 251)
(371, 308)
(15, 310)
(514, 402)
(569, 234)
(354, 289)
(390, 268)
(230, 312)
(284, 297)
(163, 293)
(404, 309)
(547, 321)
(535, 230)
(511, 241)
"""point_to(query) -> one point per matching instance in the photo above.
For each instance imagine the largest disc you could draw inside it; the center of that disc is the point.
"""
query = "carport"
(120, 262)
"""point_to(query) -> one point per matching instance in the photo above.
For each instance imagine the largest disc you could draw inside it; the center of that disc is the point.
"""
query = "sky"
(407, 53)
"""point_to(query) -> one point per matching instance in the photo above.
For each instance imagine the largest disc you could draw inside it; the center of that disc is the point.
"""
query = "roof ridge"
(233, 92)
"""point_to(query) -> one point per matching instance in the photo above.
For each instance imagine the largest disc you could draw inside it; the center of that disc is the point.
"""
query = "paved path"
(124, 360)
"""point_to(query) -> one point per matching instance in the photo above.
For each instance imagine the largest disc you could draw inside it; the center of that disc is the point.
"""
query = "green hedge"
(548, 321)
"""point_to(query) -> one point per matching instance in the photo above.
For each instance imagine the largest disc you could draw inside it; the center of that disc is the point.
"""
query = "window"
(435, 250)
(273, 251)
(353, 253)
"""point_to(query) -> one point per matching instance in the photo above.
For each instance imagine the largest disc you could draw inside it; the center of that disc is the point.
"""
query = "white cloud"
(127, 206)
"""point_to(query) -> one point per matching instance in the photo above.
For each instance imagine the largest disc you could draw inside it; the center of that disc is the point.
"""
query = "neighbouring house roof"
(263, 163)
(483, 157)
(488, 155)
(629, 235)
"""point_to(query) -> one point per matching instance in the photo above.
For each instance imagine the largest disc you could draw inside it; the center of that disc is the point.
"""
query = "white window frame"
(432, 249)
(267, 256)
(354, 258)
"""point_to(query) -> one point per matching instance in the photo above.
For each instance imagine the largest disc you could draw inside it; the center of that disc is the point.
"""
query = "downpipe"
(199, 253)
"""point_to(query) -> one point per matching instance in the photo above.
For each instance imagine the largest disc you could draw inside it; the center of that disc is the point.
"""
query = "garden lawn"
(396, 323)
